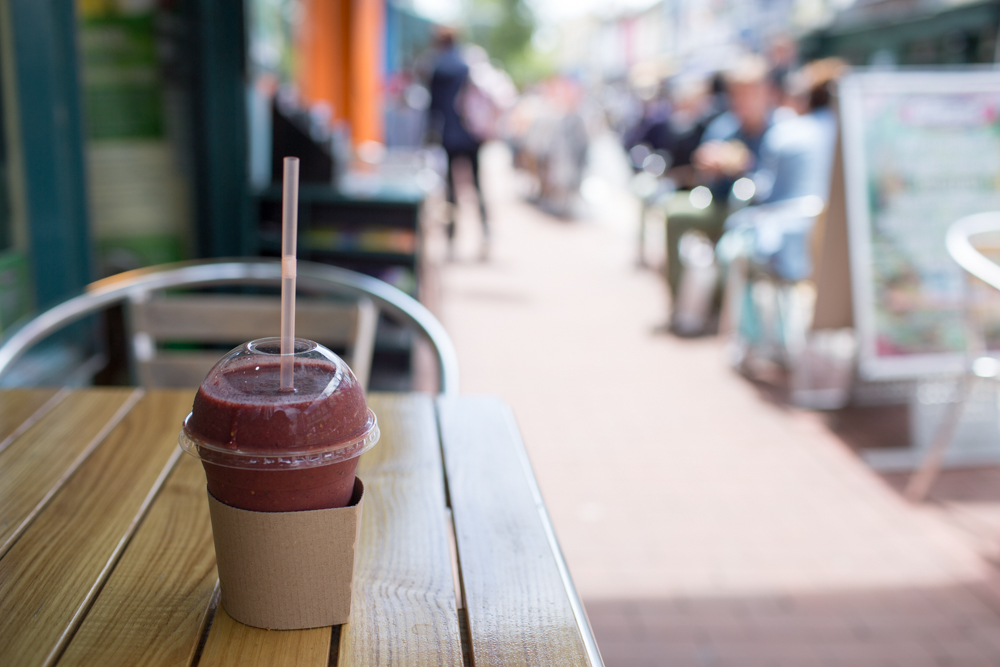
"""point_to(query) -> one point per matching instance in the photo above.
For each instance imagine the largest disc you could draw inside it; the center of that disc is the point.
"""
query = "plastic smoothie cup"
(267, 449)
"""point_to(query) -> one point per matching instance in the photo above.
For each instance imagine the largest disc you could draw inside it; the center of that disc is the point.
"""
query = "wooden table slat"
(403, 608)
(518, 609)
(50, 576)
(21, 408)
(232, 644)
(38, 462)
(153, 608)
(111, 560)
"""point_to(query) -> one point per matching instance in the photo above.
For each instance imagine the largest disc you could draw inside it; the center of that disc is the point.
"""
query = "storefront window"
(138, 190)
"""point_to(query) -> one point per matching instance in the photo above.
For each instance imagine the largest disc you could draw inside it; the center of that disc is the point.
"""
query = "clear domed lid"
(241, 417)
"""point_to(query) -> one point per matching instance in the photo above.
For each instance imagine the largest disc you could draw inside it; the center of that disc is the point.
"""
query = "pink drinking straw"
(289, 230)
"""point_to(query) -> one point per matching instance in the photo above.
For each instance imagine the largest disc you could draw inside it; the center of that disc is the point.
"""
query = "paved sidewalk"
(704, 524)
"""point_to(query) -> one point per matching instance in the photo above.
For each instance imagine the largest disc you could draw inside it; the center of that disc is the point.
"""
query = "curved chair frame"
(310, 275)
(965, 254)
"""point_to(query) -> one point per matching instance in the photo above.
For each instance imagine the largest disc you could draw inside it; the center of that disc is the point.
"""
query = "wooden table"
(106, 554)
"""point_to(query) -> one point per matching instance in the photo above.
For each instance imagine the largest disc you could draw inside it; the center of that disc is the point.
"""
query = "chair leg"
(792, 327)
(641, 257)
(733, 297)
(767, 301)
(363, 346)
(742, 319)
(781, 323)
(924, 476)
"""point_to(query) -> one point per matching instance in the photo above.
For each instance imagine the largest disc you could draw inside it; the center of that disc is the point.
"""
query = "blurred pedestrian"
(783, 57)
(728, 151)
(795, 162)
(731, 144)
(565, 147)
(797, 154)
(771, 239)
(449, 79)
(693, 111)
(651, 130)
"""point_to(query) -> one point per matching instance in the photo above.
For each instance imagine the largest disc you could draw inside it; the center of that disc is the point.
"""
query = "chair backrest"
(156, 320)
(789, 217)
(980, 309)
(959, 243)
(312, 277)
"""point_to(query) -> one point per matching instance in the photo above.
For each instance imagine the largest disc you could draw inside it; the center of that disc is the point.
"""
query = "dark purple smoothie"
(303, 438)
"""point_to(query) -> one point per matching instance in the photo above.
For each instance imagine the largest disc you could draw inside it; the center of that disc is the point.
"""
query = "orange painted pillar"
(340, 54)
(323, 54)
(367, 49)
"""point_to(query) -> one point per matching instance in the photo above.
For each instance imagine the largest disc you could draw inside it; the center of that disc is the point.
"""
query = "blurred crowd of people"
(741, 158)
(549, 131)
(748, 152)
(548, 127)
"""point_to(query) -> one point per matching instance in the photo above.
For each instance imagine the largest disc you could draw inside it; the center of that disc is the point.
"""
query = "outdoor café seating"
(106, 548)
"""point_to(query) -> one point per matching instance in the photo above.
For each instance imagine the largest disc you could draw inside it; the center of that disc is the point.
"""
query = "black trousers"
(472, 156)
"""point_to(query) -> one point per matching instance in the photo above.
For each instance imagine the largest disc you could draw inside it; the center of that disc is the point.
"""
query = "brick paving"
(704, 522)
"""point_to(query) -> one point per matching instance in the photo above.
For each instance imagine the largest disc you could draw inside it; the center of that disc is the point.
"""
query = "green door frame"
(51, 127)
(224, 226)
(44, 36)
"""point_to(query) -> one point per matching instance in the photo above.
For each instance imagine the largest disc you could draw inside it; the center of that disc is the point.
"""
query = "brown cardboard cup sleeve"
(287, 570)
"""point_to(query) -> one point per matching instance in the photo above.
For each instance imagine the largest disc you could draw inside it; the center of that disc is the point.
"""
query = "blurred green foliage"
(530, 66)
(504, 28)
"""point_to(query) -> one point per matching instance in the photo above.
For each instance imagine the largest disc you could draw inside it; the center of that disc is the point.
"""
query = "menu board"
(921, 150)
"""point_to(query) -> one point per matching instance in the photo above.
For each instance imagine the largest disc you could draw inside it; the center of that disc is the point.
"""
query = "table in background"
(106, 554)
(368, 224)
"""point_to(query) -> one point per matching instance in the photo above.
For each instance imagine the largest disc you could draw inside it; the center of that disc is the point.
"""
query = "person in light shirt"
(796, 158)
(791, 184)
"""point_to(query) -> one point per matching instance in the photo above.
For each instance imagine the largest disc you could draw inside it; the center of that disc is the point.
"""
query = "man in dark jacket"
(447, 82)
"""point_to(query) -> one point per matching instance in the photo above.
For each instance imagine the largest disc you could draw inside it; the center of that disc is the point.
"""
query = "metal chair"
(136, 286)
(164, 325)
(764, 310)
(980, 364)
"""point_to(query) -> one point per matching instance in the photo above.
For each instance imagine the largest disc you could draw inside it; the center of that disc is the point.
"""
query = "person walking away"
(448, 82)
